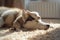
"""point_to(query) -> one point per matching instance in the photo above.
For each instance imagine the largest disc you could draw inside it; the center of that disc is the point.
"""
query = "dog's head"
(30, 16)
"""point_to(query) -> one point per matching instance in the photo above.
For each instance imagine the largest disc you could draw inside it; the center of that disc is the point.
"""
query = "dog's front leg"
(16, 26)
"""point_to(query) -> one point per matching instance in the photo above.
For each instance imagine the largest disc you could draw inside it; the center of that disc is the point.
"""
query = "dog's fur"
(16, 18)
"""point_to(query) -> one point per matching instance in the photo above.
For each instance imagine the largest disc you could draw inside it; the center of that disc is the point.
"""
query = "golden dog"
(17, 18)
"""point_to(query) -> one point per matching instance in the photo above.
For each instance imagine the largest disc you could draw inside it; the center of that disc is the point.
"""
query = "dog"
(17, 18)
(34, 21)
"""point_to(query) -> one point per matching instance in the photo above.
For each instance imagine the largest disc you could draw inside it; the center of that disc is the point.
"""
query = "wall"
(19, 3)
(26, 3)
(49, 9)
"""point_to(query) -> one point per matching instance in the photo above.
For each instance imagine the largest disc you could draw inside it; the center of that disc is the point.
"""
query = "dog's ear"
(25, 15)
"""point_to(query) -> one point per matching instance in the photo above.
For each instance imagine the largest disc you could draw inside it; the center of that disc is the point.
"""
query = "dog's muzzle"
(47, 25)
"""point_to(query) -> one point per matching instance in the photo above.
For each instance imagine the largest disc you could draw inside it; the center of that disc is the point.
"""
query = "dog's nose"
(47, 27)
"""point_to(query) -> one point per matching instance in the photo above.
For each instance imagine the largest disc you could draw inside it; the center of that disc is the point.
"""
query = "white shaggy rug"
(52, 33)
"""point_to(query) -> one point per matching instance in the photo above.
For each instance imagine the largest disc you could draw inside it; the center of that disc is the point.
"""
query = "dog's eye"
(30, 18)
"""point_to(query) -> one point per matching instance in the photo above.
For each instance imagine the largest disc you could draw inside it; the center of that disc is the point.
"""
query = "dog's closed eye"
(30, 18)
